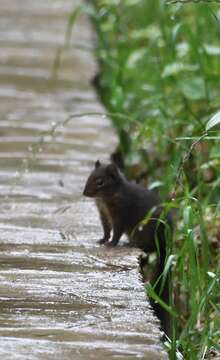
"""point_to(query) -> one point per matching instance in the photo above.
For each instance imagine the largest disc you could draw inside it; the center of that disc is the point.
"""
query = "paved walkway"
(61, 295)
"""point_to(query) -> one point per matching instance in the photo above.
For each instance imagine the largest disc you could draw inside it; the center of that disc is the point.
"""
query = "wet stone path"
(61, 295)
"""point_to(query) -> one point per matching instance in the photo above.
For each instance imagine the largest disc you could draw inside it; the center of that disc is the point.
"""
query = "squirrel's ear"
(112, 170)
(97, 164)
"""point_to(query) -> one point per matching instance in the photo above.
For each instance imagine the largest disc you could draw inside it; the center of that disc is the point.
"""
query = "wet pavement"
(62, 296)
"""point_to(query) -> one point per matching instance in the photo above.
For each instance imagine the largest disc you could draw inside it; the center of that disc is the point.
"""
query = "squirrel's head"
(103, 180)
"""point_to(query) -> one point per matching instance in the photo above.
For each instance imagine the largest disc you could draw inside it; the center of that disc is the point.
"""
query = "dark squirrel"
(127, 207)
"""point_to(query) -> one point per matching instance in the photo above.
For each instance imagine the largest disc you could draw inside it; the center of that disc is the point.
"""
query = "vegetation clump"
(160, 70)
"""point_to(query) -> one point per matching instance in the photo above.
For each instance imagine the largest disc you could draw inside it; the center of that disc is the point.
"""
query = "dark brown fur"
(123, 206)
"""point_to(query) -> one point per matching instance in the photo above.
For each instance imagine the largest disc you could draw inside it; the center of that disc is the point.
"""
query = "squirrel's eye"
(99, 181)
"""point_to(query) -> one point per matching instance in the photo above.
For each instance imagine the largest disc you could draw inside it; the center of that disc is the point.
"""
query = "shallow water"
(61, 295)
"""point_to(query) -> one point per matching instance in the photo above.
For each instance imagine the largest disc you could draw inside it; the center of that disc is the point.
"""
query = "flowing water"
(61, 295)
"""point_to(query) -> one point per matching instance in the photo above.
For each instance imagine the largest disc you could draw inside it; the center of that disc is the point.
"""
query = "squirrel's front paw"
(102, 241)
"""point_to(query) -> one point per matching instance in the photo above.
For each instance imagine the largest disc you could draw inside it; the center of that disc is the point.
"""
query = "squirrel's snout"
(87, 192)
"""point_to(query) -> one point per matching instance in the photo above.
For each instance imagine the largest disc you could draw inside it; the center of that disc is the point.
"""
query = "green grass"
(160, 71)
